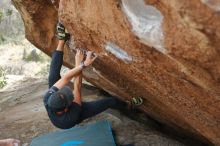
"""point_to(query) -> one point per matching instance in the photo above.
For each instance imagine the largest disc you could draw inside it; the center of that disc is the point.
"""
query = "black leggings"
(89, 109)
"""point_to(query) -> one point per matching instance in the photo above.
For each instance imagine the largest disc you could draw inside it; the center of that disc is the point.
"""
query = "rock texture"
(164, 51)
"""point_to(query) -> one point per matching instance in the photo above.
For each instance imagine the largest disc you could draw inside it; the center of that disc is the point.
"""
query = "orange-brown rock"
(164, 51)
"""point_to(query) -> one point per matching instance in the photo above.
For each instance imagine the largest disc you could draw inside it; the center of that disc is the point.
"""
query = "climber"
(64, 106)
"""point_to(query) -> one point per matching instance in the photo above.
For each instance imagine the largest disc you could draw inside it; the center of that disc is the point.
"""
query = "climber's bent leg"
(93, 108)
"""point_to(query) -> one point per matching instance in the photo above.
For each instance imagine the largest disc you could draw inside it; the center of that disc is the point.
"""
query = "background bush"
(2, 78)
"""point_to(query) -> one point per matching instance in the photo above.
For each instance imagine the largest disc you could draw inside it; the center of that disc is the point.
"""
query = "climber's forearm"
(77, 88)
(68, 76)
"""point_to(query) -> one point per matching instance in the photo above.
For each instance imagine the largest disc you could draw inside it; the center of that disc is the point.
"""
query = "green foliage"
(1, 16)
(34, 56)
(9, 12)
(2, 39)
(24, 54)
(2, 78)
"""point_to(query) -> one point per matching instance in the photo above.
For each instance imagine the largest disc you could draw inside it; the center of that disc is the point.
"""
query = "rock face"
(164, 51)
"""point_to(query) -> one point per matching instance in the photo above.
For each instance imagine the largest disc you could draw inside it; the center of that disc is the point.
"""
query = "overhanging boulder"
(164, 51)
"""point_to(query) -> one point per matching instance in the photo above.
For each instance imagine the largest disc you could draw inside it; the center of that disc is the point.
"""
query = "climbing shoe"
(135, 102)
(61, 32)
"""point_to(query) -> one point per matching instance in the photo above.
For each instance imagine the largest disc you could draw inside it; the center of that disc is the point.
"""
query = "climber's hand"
(90, 58)
(79, 57)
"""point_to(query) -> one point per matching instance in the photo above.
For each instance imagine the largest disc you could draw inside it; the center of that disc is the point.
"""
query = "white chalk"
(213, 4)
(146, 22)
(118, 52)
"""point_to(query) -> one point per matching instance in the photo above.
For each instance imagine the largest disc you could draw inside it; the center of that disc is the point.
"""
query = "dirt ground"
(22, 113)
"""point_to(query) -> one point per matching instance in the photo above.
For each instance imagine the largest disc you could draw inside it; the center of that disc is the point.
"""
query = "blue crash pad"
(98, 134)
